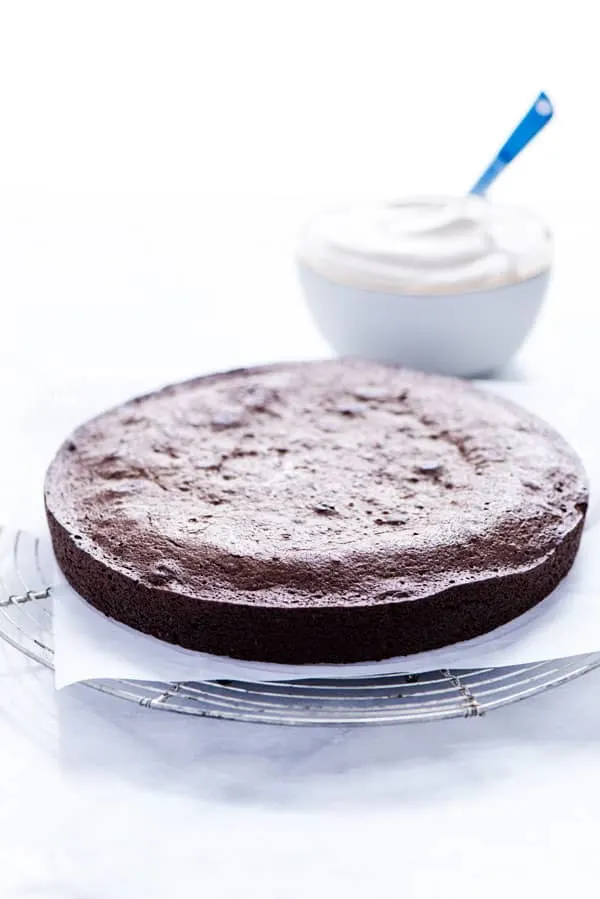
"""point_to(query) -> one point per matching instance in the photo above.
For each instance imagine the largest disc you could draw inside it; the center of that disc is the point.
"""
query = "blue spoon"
(539, 115)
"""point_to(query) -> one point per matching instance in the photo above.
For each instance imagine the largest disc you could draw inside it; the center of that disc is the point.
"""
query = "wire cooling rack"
(26, 623)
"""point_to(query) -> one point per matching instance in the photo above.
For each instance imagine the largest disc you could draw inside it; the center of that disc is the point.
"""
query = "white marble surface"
(101, 799)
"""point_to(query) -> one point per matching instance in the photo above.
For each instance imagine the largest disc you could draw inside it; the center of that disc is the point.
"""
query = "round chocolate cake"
(321, 512)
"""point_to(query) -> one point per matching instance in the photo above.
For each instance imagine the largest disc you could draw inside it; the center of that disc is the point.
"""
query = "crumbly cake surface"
(329, 511)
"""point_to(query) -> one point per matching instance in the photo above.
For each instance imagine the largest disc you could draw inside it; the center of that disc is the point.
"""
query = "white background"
(156, 161)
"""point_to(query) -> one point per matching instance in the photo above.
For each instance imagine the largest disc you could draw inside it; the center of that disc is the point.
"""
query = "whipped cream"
(427, 245)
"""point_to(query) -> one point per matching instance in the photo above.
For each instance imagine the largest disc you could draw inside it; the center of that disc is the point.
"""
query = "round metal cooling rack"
(26, 623)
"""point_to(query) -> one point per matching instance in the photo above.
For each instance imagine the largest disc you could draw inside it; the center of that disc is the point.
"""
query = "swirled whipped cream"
(427, 245)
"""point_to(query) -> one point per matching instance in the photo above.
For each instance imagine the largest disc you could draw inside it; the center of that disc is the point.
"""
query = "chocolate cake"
(319, 512)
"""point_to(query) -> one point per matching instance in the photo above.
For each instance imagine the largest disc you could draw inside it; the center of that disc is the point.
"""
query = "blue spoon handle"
(539, 115)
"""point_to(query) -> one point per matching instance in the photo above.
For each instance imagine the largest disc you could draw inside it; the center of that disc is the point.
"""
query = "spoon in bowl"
(539, 115)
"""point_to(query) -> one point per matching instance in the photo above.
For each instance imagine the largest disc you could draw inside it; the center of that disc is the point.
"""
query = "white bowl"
(464, 334)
